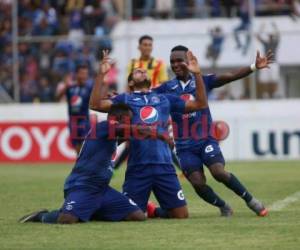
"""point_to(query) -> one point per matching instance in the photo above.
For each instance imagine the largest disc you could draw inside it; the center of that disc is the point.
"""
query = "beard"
(146, 83)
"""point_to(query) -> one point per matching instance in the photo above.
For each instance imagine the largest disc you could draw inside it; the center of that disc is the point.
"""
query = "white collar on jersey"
(140, 92)
(184, 84)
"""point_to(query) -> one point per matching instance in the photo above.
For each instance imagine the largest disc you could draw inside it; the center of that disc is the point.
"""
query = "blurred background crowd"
(45, 62)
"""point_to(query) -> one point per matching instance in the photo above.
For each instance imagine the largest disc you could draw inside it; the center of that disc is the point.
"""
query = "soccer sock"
(207, 194)
(237, 187)
(50, 217)
(124, 154)
(161, 213)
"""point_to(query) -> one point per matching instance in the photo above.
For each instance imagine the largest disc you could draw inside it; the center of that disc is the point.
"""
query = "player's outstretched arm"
(261, 62)
(200, 101)
(98, 101)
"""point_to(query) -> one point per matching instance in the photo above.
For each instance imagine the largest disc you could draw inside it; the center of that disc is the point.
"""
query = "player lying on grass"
(200, 147)
(150, 165)
(88, 195)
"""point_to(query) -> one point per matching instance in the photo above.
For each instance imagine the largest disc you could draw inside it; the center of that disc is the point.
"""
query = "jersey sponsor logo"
(193, 84)
(187, 97)
(155, 99)
(148, 114)
(209, 149)
(69, 205)
(76, 101)
(180, 195)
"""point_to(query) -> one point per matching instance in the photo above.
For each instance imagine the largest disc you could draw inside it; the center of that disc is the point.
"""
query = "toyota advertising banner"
(35, 142)
(259, 130)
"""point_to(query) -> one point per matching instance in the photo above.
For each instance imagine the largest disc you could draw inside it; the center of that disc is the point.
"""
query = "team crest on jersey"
(76, 101)
(148, 114)
(187, 97)
(155, 99)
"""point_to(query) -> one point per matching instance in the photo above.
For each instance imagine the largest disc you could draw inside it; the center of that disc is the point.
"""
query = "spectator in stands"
(269, 79)
(215, 8)
(245, 25)
(214, 49)
(148, 7)
(61, 64)
(45, 57)
(200, 9)
(230, 6)
(28, 88)
(46, 90)
(86, 56)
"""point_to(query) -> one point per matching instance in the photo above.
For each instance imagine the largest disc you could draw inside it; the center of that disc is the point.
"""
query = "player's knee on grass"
(218, 172)
(136, 216)
(197, 179)
(179, 213)
(67, 219)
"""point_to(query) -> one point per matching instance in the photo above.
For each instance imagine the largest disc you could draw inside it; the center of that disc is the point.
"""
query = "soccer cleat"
(151, 209)
(257, 207)
(226, 211)
(33, 217)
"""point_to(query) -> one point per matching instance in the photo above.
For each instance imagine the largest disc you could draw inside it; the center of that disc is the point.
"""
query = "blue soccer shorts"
(161, 179)
(193, 158)
(104, 204)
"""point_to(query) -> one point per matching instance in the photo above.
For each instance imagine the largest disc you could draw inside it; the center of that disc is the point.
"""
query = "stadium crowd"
(43, 63)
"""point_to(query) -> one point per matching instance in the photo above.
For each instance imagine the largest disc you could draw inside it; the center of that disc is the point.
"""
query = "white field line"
(281, 204)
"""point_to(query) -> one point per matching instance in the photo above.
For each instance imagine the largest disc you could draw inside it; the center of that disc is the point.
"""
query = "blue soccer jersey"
(78, 110)
(78, 99)
(93, 167)
(150, 109)
(190, 128)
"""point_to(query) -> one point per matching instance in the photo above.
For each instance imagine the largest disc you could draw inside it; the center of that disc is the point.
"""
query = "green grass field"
(31, 187)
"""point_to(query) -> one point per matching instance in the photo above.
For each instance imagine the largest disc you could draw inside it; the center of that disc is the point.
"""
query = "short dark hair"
(119, 109)
(130, 77)
(145, 37)
(81, 66)
(180, 48)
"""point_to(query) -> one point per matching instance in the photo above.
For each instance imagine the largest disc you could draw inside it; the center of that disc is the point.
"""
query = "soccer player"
(78, 95)
(156, 68)
(88, 195)
(199, 147)
(157, 72)
(149, 165)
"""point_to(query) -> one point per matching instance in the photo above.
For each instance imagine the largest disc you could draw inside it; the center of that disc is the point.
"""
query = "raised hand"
(262, 62)
(192, 63)
(105, 64)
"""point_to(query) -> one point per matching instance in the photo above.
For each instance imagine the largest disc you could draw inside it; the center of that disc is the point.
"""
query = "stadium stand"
(55, 36)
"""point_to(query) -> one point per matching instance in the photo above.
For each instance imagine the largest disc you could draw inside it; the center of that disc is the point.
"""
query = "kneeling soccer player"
(88, 195)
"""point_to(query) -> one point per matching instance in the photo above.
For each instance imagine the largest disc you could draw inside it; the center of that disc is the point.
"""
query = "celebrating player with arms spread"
(150, 166)
(199, 147)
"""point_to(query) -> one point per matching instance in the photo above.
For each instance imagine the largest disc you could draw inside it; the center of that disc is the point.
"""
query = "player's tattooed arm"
(98, 98)
(261, 62)
(200, 101)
